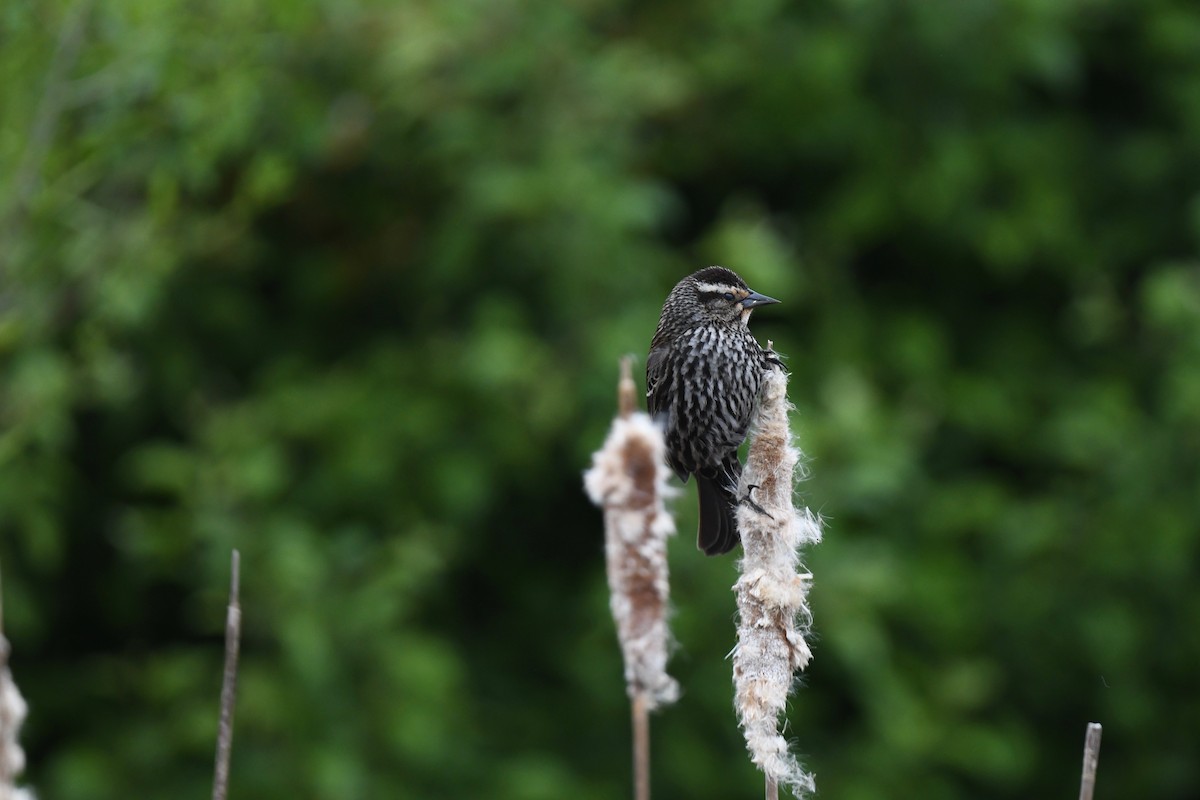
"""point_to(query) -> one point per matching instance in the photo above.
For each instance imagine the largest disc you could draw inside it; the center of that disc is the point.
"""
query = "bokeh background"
(343, 284)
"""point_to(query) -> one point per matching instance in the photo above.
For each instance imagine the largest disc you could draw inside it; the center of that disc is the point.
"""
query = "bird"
(703, 376)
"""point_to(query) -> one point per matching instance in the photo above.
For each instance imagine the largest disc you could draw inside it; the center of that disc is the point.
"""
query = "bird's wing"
(658, 380)
(658, 403)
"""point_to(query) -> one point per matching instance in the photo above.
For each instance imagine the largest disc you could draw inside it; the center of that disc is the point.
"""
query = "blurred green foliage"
(343, 285)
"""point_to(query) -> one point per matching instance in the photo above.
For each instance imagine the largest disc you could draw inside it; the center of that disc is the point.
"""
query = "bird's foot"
(774, 359)
(749, 500)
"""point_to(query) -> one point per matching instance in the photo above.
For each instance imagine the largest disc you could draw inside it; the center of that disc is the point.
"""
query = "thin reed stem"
(1091, 755)
(772, 789)
(641, 747)
(626, 390)
(233, 630)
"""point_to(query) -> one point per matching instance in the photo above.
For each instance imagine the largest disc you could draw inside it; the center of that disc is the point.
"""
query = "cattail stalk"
(1091, 756)
(12, 714)
(772, 591)
(628, 479)
(233, 631)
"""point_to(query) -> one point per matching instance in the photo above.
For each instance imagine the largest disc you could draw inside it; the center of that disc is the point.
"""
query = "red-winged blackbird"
(703, 376)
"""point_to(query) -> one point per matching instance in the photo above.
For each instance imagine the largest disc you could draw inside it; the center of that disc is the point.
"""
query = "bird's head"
(723, 296)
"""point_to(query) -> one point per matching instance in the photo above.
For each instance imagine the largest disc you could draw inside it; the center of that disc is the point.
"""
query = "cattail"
(12, 714)
(773, 613)
(628, 479)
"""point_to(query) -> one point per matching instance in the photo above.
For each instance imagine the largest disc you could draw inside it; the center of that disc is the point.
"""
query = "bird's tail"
(718, 532)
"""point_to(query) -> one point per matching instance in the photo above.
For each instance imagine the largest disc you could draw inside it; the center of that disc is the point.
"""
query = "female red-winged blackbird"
(703, 376)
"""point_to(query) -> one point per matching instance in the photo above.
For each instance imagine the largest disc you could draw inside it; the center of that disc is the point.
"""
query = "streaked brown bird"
(703, 376)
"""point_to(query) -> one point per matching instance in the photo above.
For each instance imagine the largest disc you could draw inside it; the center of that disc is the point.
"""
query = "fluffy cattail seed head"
(628, 479)
(12, 714)
(772, 592)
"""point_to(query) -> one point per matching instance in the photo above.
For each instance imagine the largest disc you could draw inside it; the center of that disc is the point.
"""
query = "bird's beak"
(756, 299)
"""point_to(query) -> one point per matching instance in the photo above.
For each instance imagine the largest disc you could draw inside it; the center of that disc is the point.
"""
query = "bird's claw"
(749, 500)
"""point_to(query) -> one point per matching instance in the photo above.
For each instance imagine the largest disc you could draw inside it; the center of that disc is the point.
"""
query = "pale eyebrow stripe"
(717, 288)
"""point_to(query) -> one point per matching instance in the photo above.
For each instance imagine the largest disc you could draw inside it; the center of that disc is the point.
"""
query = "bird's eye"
(729, 296)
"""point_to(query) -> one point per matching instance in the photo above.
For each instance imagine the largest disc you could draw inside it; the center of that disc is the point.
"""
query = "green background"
(344, 284)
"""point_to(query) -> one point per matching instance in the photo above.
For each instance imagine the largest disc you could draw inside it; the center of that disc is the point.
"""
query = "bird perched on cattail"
(703, 376)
